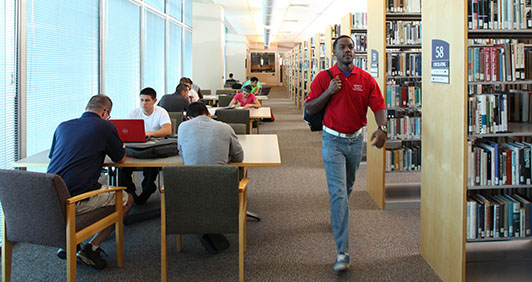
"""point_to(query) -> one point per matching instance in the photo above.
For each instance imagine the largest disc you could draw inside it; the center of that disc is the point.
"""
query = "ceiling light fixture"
(267, 9)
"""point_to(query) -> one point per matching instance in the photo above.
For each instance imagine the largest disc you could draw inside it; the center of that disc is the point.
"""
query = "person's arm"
(379, 136)
(236, 153)
(124, 158)
(256, 104)
(315, 105)
(235, 103)
(166, 129)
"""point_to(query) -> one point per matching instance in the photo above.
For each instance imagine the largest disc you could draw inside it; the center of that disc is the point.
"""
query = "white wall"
(208, 43)
(235, 56)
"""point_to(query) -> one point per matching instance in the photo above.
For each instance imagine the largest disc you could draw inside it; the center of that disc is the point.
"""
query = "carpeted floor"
(292, 242)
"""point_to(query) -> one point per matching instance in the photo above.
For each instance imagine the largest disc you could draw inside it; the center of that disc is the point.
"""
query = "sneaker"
(208, 244)
(61, 253)
(92, 258)
(142, 198)
(342, 262)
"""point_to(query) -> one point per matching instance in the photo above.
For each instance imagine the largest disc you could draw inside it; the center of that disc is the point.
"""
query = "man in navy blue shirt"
(77, 155)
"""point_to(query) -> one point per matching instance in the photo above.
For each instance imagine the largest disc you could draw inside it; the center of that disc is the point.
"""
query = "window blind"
(154, 56)
(158, 4)
(175, 9)
(188, 53)
(174, 56)
(188, 12)
(62, 65)
(122, 55)
(8, 87)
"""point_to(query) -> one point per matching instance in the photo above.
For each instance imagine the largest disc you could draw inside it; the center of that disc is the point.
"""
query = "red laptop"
(130, 130)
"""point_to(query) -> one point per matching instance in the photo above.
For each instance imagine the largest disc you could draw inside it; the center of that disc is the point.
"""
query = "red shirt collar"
(335, 70)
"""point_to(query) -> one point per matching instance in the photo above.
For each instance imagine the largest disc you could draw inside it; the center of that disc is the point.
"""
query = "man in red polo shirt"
(346, 97)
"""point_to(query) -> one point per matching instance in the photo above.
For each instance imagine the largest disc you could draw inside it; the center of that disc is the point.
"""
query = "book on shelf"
(499, 14)
(335, 31)
(403, 64)
(359, 20)
(499, 60)
(403, 128)
(498, 215)
(403, 6)
(494, 164)
(403, 96)
(360, 40)
(407, 158)
(403, 33)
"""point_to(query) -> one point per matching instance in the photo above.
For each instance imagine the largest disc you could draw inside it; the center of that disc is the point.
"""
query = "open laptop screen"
(130, 130)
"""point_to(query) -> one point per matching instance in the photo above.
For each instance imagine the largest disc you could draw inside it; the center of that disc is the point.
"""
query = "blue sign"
(374, 66)
(439, 69)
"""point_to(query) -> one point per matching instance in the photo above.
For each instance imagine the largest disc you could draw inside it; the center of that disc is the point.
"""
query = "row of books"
(407, 158)
(499, 14)
(403, 33)
(493, 164)
(403, 64)
(487, 113)
(359, 20)
(474, 88)
(360, 40)
(403, 6)
(335, 30)
(361, 62)
(404, 128)
(498, 215)
(510, 61)
(402, 96)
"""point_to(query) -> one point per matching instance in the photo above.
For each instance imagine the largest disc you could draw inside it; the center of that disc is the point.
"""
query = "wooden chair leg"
(163, 237)
(71, 242)
(7, 253)
(241, 233)
(119, 228)
(179, 245)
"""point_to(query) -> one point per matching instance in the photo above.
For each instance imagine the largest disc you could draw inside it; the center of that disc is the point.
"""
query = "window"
(188, 53)
(188, 12)
(122, 55)
(158, 4)
(175, 9)
(8, 89)
(62, 65)
(154, 53)
(174, 56)
(262, 62)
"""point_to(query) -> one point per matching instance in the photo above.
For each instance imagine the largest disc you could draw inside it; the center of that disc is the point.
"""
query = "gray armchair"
(38, 209)
(224, 100)
(176, 119)
(203, 199)
(232, 116)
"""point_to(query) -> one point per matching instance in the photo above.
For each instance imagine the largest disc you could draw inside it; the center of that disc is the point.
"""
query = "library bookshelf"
(399, 78)
(452, 229)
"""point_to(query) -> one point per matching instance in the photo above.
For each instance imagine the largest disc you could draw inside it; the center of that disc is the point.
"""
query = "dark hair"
(99, 102)
(149, 91)
(197, 109)
(340, 37)
(247, 88)
(231, 74)
(180, 87)
(254, 79)
(185, 80)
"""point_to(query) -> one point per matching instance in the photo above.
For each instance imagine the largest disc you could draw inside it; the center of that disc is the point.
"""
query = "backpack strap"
(330, 74)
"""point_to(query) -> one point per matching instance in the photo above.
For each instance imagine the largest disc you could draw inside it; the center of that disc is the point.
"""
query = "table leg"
(250, 126)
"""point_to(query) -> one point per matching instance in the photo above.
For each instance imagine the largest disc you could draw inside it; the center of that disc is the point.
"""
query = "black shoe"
(208, 244)
(61, 253)
(219, 241)
(92, 258)
(142, 198)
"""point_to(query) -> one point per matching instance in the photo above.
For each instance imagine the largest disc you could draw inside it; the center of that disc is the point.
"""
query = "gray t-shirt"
(173, 103)
(203, 140)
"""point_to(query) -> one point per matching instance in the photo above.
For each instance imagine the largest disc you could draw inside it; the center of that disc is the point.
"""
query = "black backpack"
(315, 121)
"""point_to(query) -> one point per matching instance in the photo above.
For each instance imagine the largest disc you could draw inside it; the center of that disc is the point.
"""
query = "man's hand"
(380, 138)
(335, 85)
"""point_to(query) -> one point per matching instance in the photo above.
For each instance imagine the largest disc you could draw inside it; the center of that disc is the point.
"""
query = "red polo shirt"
(346, 110)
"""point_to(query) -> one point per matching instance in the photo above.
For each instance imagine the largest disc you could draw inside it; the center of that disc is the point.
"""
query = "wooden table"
(259, 151)
(254, 114)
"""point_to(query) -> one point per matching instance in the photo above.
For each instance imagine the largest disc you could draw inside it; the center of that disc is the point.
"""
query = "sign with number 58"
(439, 71)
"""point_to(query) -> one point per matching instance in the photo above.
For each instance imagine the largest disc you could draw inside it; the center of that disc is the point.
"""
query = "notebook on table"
(130, 130)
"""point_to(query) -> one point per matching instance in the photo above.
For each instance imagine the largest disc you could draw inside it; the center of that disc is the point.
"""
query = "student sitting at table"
(176, 102)
(256, 87)
(157, 123)
(245, 99)
(202, 140)
(77, 154)
(193, 96)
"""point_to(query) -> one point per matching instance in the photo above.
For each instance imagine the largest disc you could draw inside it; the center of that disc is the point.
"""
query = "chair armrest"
(243, 186)
(89, 194)
(162, 189)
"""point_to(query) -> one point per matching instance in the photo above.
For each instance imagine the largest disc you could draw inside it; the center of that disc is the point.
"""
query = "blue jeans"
(341, 158)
